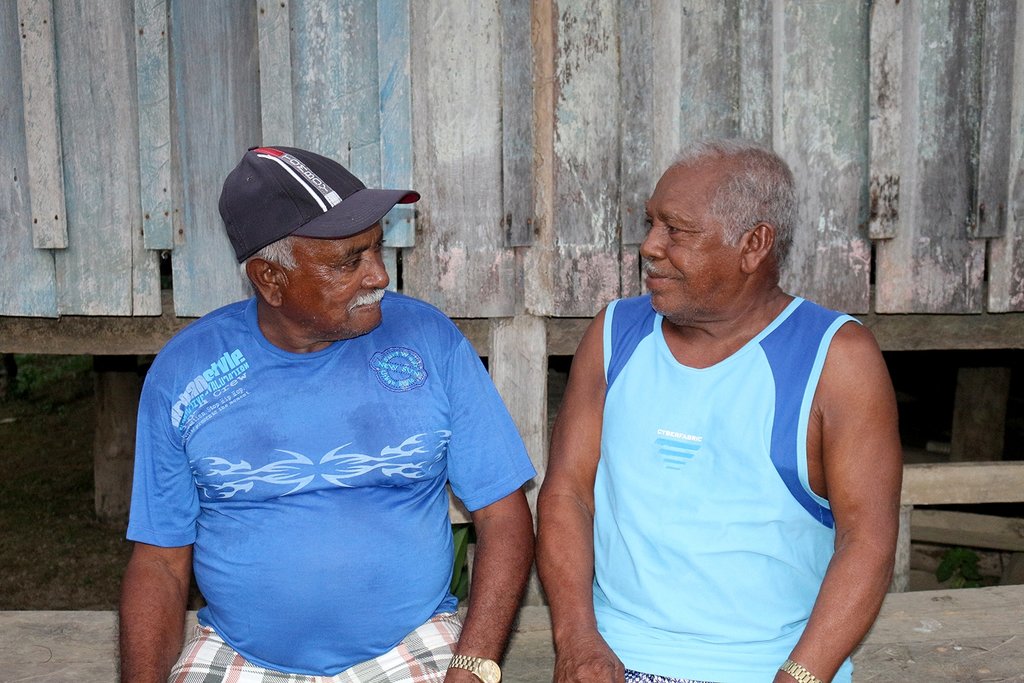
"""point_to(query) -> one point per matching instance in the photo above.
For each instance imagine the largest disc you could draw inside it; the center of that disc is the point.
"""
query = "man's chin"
(363, 319)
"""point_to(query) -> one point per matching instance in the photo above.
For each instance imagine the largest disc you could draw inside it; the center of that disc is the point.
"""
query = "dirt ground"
(54, 554)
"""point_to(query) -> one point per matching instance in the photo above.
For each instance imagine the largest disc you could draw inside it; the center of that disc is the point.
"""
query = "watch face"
(488, 671)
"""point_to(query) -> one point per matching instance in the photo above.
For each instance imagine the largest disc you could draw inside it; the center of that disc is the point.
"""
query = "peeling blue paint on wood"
(27, 275)
(105, 270)
(394, 84)
(42, 124)
(154, 112)
(216, 84)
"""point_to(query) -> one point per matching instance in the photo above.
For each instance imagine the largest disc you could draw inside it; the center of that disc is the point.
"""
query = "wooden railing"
(955, 484)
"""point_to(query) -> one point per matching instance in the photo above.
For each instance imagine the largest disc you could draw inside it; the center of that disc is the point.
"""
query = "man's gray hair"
(279, 252)
(759, 188)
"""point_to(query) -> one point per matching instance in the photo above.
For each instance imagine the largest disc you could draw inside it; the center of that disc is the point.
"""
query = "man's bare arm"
(565, 551)
(501, 565)
(154, 595)
(854, 432)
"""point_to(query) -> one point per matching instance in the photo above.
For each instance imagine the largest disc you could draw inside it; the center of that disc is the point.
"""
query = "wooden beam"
(113, 335)
(901, 567)
(963, 483)
(967, 529)
(118, 386)
(979, 414)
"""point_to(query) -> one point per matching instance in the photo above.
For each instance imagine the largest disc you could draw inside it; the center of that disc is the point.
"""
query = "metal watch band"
(484, 669)
(798, 672)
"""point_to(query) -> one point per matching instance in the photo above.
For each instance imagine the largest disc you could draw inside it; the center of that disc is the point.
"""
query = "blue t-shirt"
(313, 485)
(709, 544)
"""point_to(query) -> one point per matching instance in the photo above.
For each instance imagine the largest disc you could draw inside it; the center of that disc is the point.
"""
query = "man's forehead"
(344, 245)
(683, 184)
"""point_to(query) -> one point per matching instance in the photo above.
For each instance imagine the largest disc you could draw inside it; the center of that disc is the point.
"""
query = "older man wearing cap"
(293, 451)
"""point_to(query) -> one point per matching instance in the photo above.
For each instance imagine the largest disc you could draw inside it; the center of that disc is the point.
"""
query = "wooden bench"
(920, 637)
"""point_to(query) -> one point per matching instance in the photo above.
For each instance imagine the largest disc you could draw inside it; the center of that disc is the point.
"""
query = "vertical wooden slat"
(537, 259)
(821, 115)
(755, 71)
(154, 107)
(931, 266)
(274, 31)
(1006, 254)
(116, 388)
(585, 271)
(636, 94)
(27, 277)
(460, 262)
(994, 137)
(710, 78)
(519, 368)
(901, 567)
(216, 74)
(517, 121)
(979, 414)
(886, 117)
(667, 82)
(334, 78)
(393, 82)
(99, 134)
(42, 125)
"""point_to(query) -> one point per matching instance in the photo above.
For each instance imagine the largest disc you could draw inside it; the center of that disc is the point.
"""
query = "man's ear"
(756, 246)
(268, 279)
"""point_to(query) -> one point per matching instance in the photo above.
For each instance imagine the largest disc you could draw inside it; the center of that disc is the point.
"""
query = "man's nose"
(651, 247)
(377, 275)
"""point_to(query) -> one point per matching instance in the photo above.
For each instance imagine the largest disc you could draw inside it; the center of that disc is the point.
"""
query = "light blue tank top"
(709, 544)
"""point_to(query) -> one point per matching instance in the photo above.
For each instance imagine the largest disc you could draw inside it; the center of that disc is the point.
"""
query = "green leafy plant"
(959, 566)
(462, 535)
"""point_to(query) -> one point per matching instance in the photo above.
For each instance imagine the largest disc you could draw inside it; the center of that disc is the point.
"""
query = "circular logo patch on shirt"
(399, 368)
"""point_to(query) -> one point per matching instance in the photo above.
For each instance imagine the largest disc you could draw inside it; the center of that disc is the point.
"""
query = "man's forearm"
(501, 566)
(565, 561)
(152, 617)
(848, 602)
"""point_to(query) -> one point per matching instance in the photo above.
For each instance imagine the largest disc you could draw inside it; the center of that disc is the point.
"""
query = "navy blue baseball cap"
(275, 192)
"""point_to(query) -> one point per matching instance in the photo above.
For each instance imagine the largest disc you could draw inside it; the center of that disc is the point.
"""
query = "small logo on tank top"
(676, 449)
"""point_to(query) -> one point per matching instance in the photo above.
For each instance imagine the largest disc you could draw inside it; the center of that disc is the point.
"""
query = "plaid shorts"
(421, 657)
(639, 677)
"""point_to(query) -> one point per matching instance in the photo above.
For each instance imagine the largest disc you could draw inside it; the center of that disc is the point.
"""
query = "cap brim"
(359, 211)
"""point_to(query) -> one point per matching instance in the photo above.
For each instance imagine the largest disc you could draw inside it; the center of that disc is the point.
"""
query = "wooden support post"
(901, 570)
(519, 367)
(117, 401)
(979, 414)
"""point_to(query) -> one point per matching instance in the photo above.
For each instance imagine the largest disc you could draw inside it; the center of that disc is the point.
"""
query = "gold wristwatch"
(798, 672)
(486, 670)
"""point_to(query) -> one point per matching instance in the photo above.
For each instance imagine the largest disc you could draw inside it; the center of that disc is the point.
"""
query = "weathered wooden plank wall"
(105, 268)
(215, 76)
(820, 126)
(932, 264)
(28, 280)
(461, 261)
(1006, 254)
(535, 131)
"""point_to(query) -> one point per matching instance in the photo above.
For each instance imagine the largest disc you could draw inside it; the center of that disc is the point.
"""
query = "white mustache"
(367, 299)
(649, 268)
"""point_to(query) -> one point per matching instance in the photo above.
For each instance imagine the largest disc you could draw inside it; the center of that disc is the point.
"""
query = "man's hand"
(586, 658)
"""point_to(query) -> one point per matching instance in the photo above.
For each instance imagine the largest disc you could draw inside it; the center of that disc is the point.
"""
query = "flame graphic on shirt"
(219, 478)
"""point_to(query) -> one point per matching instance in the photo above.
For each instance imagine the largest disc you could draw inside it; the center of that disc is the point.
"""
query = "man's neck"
(703, 343)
